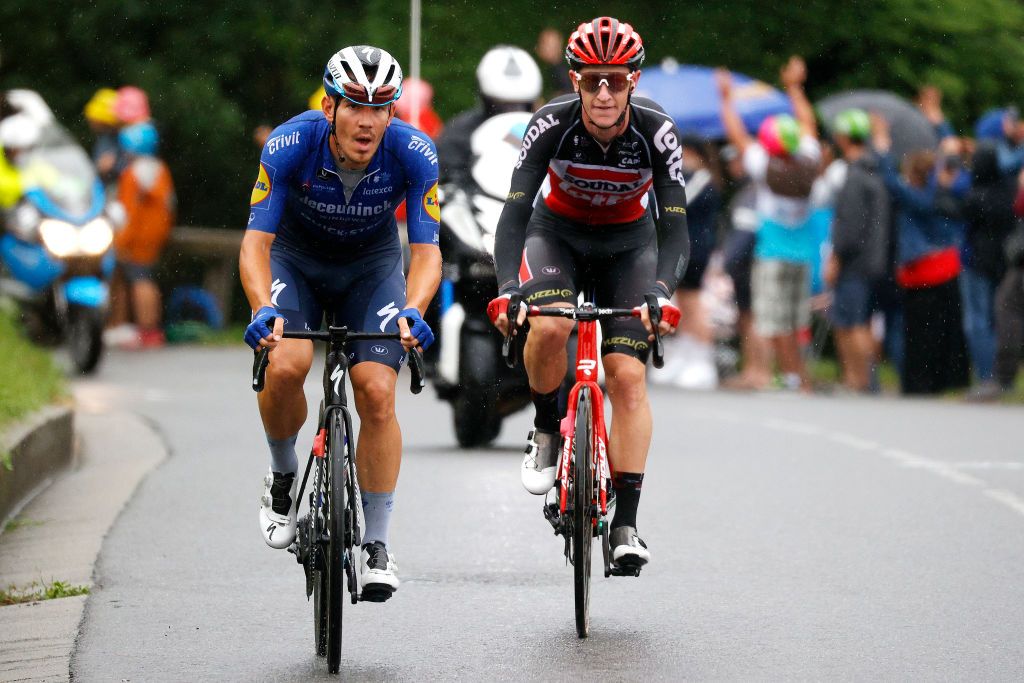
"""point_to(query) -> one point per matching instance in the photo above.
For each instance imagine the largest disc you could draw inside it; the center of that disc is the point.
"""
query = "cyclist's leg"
(282, 403)
(371, 303)
(625, 276)
(548, 278)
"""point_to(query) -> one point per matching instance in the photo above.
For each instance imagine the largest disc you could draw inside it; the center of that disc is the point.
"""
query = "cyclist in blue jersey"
(322, 240)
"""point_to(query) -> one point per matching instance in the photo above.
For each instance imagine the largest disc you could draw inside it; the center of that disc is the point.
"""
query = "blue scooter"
(56, 248)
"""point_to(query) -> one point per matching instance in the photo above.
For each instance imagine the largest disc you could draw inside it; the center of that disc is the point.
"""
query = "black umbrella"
(909, 128)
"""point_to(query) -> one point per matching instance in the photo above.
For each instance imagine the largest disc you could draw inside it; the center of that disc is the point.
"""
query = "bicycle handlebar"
(337, 336)
(585, 312)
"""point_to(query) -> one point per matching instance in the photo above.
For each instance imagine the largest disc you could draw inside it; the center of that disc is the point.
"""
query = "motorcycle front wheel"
(85, 337)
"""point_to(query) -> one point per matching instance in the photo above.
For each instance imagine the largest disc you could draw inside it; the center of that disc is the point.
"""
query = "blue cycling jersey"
(299, 195)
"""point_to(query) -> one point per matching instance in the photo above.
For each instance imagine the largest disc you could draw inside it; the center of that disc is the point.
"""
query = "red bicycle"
(580, 511)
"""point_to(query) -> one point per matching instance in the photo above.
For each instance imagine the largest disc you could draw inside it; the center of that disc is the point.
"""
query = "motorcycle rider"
(508, 80)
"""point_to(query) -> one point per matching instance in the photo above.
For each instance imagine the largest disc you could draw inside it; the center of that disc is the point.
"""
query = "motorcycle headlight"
(95, 237)
(60, 238)
(24, 222)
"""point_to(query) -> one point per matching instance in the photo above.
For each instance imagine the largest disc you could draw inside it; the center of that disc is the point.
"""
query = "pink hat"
(132, 105)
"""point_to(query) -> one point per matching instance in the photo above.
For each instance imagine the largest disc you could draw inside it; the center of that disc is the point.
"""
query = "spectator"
(928, 199)
(1010, 148)
(1009, 312)
(550, 51)
(416, 106)
(929, 101)
(146, 191)
(695, 354)
(860, 229)
(755, 355)
(783, 164)
(989, 213)
(260, 134)
(103, 122)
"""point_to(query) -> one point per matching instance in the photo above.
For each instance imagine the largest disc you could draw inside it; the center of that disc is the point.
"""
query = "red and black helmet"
(605, 41)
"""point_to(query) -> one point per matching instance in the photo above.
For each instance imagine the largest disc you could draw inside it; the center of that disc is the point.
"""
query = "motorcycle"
(56, 247)
(469, 371)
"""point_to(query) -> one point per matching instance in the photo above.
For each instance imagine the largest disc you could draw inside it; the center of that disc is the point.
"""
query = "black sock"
(547, 418)
(627, 497)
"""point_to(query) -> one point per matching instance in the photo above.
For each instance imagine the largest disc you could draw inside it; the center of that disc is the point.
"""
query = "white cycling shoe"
(538, 469)
(278, 527)
(628, 549)
(378, 579)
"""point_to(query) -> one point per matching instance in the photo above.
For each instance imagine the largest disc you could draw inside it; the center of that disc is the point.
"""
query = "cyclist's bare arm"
(422, 282)
(254, 268)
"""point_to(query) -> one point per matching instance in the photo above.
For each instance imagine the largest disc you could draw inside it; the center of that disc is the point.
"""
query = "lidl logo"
(430, 204)
(261, 189)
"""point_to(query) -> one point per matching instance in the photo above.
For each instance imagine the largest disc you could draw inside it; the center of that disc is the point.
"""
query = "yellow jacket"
(10, 183)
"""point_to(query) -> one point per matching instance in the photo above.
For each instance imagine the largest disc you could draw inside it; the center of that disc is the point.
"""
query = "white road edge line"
(1008, 499)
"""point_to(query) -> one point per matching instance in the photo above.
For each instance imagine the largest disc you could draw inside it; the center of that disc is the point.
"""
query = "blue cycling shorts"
(364, 294)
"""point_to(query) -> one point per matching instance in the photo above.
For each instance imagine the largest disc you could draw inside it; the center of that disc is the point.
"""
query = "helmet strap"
(618, 122)
(339, 157)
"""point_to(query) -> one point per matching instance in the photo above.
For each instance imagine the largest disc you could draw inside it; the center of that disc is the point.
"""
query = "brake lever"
(508, 346)
(259, 368)
(654, 313)
(416, 369)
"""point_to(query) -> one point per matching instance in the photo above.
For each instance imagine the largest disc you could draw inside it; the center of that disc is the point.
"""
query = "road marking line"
(936, 467)
(988, 465)
(794, 427)
(853, 441)
(1008, 499)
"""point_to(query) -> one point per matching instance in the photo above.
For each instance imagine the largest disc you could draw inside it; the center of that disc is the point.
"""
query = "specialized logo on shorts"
(625, 341)
(388, 313)
(550, 270)
(562, 294)
(430, 204)
(423, 147)
(275, 291)
(675, 209)
(261, 190)
(379, 350)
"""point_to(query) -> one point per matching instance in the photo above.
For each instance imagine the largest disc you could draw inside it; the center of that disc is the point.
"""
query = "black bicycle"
(329, 535)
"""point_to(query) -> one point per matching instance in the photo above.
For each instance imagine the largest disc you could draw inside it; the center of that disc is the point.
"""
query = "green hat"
(854, 124)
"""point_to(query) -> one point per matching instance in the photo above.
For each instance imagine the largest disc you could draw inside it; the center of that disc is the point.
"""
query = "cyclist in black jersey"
(597, 204)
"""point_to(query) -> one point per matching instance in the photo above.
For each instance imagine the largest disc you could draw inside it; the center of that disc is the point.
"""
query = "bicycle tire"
(337, 504)
(317, 497)
(583, 497)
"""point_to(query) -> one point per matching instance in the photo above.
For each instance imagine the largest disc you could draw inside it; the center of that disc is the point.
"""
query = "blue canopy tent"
(690, 96)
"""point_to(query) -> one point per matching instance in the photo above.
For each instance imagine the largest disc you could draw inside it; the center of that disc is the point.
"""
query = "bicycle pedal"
(624, 570)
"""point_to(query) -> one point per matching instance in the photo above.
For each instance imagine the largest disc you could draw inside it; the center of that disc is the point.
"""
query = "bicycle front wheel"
(583, 508)
(337, 504)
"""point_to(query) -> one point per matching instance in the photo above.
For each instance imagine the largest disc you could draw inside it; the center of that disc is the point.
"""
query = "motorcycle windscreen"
(60, 179)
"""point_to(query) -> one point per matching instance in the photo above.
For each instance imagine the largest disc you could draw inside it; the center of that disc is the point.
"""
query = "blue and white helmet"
(365, 75)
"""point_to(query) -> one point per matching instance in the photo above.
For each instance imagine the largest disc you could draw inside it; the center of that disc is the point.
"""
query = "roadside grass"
(29, 378)
(37, 591)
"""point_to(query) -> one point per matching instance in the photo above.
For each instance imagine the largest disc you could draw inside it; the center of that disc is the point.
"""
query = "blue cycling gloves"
(418, 327)
(258, 328)
(262, 321)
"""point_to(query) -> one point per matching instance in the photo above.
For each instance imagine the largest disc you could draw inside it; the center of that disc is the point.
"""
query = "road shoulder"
(59, 538)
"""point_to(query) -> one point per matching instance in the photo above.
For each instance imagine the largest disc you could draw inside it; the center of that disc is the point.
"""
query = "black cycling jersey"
(588, 183)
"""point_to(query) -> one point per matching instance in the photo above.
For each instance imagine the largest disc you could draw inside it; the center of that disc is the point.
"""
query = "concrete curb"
(39, 447)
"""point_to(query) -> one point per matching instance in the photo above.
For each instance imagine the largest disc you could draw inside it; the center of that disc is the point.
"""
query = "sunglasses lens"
(357, 93)
(592, 83)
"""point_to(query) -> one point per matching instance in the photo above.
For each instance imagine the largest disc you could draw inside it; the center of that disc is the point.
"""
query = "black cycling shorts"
(364, 293)
(613, 264)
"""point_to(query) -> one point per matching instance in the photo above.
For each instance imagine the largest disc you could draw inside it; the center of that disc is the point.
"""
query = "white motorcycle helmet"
(507, 75)
(19, 132)
(31, 104)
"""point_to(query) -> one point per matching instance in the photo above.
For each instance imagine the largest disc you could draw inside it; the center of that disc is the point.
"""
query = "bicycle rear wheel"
(583, 509)
(335, 555)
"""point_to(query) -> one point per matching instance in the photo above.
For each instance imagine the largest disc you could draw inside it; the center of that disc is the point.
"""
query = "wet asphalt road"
(792, 538)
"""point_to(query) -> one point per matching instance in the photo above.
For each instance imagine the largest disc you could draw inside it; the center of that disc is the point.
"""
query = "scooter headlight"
(60, 238)
(25, 222)
(95, 237)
